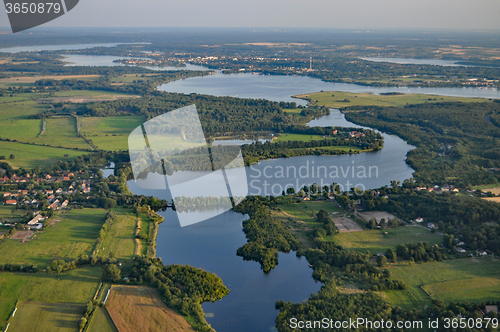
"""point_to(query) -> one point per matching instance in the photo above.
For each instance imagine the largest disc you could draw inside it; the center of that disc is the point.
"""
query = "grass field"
(47, 288)
(44, 287)
(285, 137)
(306, 211)
(29, 80)
(16, 129)
(377, 241)
(138, 308)
(337, 99)
(101, 321)
(47, 317)
(61, 132)
(120, 237)
(469, 279)
(20, 110)
(74, 235)
(8, 212)
(11, 287)
(30, 156)
(486, 186)
(110, 133)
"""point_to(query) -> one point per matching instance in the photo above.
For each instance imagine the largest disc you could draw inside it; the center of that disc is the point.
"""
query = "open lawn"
(29, 80)
(306, 211)
(52, 288)
(30, 156)
(484, 187)
(120, 237)
(377, 241)
(11, 287)
(74, 235)
(47, 317)
(338, 99)
(140, 308)
(101, 321)
(110, 133)
(16, 129)
(20, 110)
(469, 279)
(285, 137)
(75, 286)
(61, 132)
(7, 212)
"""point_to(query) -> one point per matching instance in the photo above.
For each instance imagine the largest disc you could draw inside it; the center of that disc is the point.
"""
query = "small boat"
(310, 265)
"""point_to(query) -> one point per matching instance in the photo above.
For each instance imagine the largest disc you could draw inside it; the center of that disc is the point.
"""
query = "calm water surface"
(281, 88)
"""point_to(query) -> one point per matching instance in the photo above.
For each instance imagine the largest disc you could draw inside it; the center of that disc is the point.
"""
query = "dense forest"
(456, 142)
(266, 235)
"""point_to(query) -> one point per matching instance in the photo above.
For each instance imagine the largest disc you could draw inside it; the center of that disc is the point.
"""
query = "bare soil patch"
(52, 222)
(346, 225)
(22, 235)
(139, 308)
(2, 235)
(378, 215)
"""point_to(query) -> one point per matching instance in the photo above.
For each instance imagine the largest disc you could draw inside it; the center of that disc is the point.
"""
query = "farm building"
(11, 202)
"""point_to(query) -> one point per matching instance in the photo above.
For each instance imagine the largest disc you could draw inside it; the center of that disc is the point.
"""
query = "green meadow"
(101, 321)
(75, 234)
(307, 210)
(469, 279)
(61, 132)
(338, 99)
(29, 156)
(47, 317)
(120, 236)
(285, 137)
(378, 241)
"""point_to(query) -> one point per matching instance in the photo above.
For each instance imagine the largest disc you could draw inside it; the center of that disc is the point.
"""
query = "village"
(39, 201)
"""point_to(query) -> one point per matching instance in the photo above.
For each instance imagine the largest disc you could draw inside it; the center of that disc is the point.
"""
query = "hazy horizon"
(337, 14)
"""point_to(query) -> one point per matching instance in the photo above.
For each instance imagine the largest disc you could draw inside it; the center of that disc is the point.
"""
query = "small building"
(11, 202)
(419, 219)
(6, 194)
(482, 253)
(37, 226)
(431, 225)
(461, 250)
(35, 220)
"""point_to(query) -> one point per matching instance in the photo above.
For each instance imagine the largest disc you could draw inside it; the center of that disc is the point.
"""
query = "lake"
(212, 245)
(282, 88)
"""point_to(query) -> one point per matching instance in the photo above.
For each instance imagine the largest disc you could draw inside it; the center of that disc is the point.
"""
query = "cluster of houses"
(54, 197)
(61, 176)
(445, 188)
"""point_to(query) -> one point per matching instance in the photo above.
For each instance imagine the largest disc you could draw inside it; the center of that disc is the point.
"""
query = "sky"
(348, 14)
